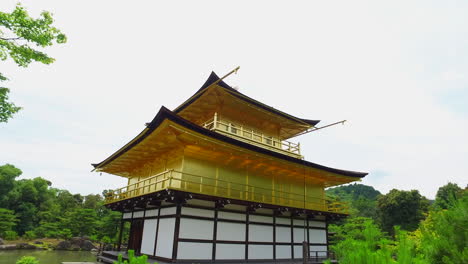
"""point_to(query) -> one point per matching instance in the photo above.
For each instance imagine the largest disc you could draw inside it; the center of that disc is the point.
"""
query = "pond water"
(46, 256)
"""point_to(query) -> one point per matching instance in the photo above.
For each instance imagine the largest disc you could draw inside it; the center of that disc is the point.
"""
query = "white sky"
(396, 70)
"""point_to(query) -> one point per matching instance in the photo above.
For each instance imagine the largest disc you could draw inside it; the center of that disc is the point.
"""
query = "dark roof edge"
(165, 113)
(214, 77)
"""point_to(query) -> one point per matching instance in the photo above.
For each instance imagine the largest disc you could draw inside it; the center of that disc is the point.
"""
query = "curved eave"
(165, 113)
(214, 77)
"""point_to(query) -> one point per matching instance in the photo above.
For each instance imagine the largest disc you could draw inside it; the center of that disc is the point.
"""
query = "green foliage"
(444, 234)
(7, 221)
(20, 36)
(401, 208)
(64, 233)
(27, 260)
(132, 259)
(8, 174)
(7, 108)
(361, 198)
(446, 195)
(10, 235)
(354, 191)
(361, 241)
(30, 235)
(34, 209)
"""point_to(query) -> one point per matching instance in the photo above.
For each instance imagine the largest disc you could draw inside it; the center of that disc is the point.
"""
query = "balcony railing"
(176, 180)
(252, 136)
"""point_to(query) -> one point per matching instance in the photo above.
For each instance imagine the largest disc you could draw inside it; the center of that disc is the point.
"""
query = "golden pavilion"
(216, 180)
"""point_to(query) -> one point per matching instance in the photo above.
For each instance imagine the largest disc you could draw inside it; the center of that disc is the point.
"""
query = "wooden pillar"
(176, 232)
(120, 233)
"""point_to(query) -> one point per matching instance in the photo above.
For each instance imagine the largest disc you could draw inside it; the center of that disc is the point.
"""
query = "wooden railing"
(253, 136)
(176, 180)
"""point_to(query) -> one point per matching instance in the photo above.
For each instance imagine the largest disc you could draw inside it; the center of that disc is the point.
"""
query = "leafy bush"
(65, 233)
(29, 235)
(27, 260)
(132, 259)
(11, 235)
(361, 241)
(106, 239)
(444, 234)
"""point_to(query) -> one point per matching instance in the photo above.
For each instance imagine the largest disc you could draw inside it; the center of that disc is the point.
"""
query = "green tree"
(8, 174)
(444, 234)
(20, 38)
(401, 208)
(361, 198)
(359, 240)
(446, 195)
(82, 222)
(7, 221)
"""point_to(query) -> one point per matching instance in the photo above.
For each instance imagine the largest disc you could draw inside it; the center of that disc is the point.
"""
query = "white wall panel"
(261, 219)
(127, 215)
(283, 252)
(260, 251)
(317, 224)
(299, 222)
(165, 237)
(168, 211)
(317, 236)
(230, 251)
(188, 250)
(196, 229)
(231, 216)
(149, 235)
(138, 214)
(321, 251)
(283, 221)
(283, 234)
(197, 212)
(151, 213)
(231, 231)
(299, 234)
(260, 233)
(297, 252)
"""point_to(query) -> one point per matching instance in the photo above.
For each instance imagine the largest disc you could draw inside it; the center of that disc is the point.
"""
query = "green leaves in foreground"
(18, 31)
(27, 260)
(7, 109)
(20, 36)
(132, 259)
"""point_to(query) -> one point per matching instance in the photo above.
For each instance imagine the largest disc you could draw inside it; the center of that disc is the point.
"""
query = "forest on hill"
(397, 227)
(32, 208)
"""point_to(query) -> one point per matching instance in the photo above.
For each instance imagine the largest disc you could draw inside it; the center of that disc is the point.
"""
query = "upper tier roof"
(166, 114)
(290, 125)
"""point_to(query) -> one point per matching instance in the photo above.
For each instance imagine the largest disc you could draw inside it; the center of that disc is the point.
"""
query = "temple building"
(217, 180)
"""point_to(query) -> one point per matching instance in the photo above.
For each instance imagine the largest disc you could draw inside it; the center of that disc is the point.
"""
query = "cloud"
(383, 67)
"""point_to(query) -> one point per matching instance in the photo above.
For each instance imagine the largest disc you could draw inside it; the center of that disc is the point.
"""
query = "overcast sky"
(396, 70)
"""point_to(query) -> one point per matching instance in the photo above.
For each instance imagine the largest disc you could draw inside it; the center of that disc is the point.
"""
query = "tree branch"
(8, 39)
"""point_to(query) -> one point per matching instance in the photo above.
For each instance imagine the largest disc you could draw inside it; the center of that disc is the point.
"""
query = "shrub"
(29, 235)
(11, 235)
(65, 233)
(27, 260)
(132, 259)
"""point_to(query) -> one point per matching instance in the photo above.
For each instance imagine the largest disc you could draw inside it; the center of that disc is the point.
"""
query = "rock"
(38, 242)
(87, 245)
(8, 247)
(25, 246)
(75, 248)
(108, 247)
(63, 245)
(1, 241)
